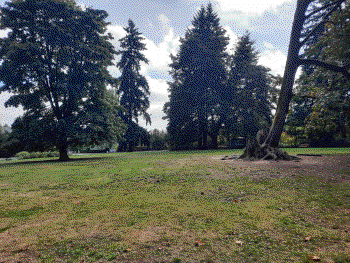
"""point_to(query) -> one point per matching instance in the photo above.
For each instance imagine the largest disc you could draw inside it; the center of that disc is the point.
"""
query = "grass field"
(173, 207)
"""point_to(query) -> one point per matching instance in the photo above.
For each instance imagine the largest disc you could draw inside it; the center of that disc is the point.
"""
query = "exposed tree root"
(256, 149)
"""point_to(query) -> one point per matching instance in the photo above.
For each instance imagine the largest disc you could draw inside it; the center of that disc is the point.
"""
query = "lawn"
(176, 207)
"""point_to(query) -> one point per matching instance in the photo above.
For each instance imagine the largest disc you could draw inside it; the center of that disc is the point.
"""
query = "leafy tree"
(248, 85)
(133, 88)
(310, 17)
(322, 97)
(55, 61)
(199, 76)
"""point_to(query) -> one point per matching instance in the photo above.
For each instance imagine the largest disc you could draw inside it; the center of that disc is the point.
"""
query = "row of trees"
(212, 90)
(54, 61)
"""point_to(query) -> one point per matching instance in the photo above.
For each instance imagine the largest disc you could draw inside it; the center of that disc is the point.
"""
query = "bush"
(36, 155)
(33, 155)
(52, 154)
(23, 155)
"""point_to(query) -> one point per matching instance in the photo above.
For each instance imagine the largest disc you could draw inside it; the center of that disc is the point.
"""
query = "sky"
(164, 22)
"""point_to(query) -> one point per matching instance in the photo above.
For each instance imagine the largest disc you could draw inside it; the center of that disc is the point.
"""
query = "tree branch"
(325, 65)
(323, 7)
(324, 20)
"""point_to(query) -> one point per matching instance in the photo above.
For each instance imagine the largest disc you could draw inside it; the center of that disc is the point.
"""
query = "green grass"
(170, 207)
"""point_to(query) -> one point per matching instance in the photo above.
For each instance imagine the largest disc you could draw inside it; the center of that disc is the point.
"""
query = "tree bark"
(292, 65)
(63, 150)
(214, 140)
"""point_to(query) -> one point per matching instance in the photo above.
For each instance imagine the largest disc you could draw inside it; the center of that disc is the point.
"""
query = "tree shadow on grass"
(54, 161)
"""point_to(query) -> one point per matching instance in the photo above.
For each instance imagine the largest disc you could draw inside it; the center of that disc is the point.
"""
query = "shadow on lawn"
(56, 161)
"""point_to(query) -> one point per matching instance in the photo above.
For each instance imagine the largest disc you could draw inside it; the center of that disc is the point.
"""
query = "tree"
(55, 61)
(199, 76)
(133, 88)
(248, 90)
(310, 17)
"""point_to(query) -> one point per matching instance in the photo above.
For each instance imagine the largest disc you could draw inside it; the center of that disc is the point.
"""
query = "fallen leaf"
(198, 243)
(307, 239)
(315, 258)
(238, 242)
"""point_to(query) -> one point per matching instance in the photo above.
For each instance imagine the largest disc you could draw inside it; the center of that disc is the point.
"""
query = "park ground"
(176, 207)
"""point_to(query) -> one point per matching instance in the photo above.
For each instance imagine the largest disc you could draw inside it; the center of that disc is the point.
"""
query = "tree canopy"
(54, 62)
(199, 75)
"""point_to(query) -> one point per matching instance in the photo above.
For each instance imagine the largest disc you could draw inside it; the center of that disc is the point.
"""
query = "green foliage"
(33, 155)
(248, 90)
(158, 140)
(322, 101)
(54, 62)
(133, 89)
(23, 155)
(199, 74)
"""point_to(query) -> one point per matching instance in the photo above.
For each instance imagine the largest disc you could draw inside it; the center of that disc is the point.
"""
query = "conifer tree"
(133, 89)
(199, 75)
(248, 86)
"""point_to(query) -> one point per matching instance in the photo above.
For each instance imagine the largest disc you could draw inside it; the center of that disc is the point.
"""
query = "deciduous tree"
(54, 62)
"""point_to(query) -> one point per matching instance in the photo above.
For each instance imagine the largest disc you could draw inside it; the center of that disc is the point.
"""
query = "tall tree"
(248, 85)
(199, 75)
(310, 17)
(54, 61)
(133, 88)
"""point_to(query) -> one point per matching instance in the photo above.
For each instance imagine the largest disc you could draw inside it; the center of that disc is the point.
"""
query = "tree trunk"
(63, 150)
(214, 140)
(292, 65)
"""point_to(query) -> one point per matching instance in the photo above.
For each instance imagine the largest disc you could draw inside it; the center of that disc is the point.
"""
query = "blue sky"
(163, 22)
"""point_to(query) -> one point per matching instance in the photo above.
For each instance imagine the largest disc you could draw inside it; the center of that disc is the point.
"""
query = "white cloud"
(8, 115)
(252, 6)
(4, 33)
(159, 86)
(268, 45)
(274, 59)
(159, 54)
(233, 39)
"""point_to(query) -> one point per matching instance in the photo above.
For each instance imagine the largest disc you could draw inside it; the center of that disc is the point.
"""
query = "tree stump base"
(256, 151)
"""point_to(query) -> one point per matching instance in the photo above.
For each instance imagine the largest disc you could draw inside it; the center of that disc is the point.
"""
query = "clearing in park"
(176, 207)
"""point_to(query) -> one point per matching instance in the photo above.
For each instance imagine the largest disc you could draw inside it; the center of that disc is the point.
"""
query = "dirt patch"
(334, 168)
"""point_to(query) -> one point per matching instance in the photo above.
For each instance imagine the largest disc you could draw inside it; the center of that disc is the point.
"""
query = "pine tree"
(199, 75)
(248, 86)
(133, 89)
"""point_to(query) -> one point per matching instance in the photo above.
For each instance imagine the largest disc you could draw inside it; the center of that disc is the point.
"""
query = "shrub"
(35, 155)
(23, 155)
(52, 154)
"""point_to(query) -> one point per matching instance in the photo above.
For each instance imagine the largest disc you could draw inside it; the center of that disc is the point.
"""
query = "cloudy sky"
(163, 22)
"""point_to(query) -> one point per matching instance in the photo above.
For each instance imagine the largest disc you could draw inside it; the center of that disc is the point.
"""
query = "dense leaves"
(55, 61)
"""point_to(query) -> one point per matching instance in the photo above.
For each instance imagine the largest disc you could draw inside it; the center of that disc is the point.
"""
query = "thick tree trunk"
(256, 151)
(214, 140)
(63, 150)
(292, 65)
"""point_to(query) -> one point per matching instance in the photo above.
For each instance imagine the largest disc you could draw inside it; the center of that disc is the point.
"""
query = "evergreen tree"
(55, 61)
(133, 88)
(248, 93)
(199, 75)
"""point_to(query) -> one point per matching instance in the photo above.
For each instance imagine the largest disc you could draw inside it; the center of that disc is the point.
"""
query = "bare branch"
(325, 65)
(324, 20)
